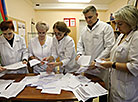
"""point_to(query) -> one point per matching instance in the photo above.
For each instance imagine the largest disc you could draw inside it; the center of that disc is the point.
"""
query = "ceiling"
(54, 4)
(56, 1)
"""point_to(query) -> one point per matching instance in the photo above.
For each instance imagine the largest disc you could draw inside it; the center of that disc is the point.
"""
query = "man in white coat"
(96, 40)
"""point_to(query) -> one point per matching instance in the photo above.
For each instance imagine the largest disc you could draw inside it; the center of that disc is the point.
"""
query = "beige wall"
(115, 6)
(51, 16)
(22, 10)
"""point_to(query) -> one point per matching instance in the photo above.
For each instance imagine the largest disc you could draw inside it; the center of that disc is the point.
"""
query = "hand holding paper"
(98, 62)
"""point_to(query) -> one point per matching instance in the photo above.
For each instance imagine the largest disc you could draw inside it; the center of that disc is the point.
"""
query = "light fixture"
(84, 1)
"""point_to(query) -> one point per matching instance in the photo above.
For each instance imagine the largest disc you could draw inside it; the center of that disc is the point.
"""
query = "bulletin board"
(20, 27)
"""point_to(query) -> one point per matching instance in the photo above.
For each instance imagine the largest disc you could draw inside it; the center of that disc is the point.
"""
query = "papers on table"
(83, 93)
(4, 84)
(13, 90)
(52, 83)
(15, 66)
(84, 60)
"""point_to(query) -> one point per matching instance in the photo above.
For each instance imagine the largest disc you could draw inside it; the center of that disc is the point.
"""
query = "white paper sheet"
(13, 90)
(4, 84)
(98, 62)
(34, 62)
(15, 66)
(84, 60)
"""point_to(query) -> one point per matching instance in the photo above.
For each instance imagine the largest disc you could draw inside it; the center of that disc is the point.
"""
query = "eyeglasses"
(7, 34)
(58, 34)
(42, 33)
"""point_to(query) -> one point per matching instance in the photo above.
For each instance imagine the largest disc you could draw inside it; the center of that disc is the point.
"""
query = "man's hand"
(92, 65)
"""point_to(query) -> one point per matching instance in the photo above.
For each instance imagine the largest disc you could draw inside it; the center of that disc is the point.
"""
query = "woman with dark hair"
(64, 48)
(12, 47)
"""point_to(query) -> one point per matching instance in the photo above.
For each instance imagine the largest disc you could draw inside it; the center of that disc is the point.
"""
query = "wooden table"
(32, 94)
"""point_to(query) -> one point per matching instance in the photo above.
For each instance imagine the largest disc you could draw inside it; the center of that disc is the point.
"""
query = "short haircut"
(42, 25)
(61, 26)
(89, 8)
(5, 25)
(129, 15)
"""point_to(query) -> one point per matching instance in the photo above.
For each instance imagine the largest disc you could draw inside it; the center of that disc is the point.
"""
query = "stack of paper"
(90, 90)
(15, 66)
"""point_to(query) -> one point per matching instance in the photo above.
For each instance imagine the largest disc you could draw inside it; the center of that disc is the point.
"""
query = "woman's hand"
(78, 56)
(107, 64)
(54, 64)
(2, 69)
(49, 69)
(50, 58)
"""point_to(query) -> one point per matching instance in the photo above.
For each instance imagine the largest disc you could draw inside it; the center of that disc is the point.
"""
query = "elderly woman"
(40, 46)
(64, 48)
(12, 47)
(123, 62)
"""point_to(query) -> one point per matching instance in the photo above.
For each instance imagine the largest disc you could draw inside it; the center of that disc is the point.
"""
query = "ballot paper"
(15, 66)
(84, 60)
(90, 90)
(13, 90)
(34, 62)
(4, 84)
(98, 62)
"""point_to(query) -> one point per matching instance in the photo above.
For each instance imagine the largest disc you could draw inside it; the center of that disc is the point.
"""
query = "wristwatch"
(114, 65)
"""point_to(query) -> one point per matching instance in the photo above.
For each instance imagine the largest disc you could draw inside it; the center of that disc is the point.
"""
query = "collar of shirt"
(90, 27)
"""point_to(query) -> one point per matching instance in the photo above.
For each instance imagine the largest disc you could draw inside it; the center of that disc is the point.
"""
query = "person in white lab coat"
(40, 46)
(64, 48)
(12, 47)
(96, 40)
(123, 61)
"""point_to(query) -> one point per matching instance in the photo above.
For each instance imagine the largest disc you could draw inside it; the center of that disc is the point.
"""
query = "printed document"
(15, 66)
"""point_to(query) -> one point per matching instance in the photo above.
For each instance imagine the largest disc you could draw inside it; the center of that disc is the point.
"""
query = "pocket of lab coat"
(126, 89)
(96, 38)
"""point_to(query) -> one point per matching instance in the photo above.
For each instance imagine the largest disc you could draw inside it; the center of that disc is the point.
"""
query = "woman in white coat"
(123, 62)
(64, 48)
(40, 46)
(12, 47)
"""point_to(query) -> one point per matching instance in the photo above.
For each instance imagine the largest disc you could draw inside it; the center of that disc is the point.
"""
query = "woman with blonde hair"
(40, 46)
(123, 62)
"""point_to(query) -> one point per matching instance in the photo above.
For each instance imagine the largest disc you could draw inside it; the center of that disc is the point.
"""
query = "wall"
(51, 16)
(114, 6)
(22, 10)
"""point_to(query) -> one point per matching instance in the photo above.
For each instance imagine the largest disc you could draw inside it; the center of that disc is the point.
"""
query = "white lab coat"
(96, 43)
(124, 86)
(65, 49)
(17, 53)
(35, 49)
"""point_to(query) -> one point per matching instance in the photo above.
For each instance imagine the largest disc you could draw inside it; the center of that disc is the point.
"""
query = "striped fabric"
(3, 12)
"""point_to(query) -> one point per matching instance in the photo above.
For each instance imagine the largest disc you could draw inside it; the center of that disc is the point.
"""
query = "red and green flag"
(3, 11)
